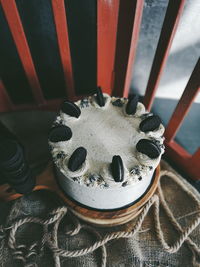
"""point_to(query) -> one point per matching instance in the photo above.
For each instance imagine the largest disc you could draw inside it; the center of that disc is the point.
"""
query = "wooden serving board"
(47, 181)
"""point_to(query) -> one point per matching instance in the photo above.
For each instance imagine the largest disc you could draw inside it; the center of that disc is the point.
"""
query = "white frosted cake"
(106, 150)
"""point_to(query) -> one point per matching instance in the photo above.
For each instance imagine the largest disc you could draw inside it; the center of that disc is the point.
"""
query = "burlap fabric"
(144, 249)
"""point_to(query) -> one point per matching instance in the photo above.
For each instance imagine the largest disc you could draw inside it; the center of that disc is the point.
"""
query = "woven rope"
(50, 237)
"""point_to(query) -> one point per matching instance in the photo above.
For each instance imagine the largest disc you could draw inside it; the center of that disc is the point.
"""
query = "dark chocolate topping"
(117, 169)
(70, 109)
(131, 106)
(60, 133)
(149, 148)
(77, 159)
(118, 103)
(151, 123)
(100, 98)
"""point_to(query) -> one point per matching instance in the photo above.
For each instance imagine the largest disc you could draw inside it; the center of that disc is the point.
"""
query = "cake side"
(95, 197)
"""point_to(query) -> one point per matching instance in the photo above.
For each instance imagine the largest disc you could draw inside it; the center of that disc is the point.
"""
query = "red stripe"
(194, 165)
(107, 15)
(173, 14)
(5, 102)
(19, 37)
(63, 43)
(183, 160)
(188, 96)
(129, 20)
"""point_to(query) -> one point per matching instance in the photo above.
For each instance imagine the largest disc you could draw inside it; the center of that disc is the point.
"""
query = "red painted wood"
(194, 165)
(187, 163)
(16, 28)
(63, 43)
(173, 14)
(182, 108)
(107, 15)
(129, 20)
(5, 102)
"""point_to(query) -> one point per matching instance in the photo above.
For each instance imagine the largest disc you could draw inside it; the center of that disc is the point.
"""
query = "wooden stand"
(47, 181)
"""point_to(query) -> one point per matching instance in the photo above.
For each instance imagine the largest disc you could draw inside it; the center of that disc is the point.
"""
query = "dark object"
(70, 109)
(118, 103)
(132, 105)
(150, 123)
(60, 133)
(117, 169)
(6, 133)
(100, 98)
(14, 167)
(77, 158)
(149, 148)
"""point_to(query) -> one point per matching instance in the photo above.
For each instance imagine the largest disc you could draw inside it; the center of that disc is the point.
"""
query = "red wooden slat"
(187, 163)
(173, 14)
(63, 43)
(129, 19)
(5, 102)
(16, 28)
(194, 165)
(107, 15)
(190, 92)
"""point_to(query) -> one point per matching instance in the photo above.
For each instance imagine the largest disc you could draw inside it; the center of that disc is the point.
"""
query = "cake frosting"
(103, 132)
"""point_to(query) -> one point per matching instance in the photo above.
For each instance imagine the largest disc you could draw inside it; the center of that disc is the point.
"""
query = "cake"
(105, 150)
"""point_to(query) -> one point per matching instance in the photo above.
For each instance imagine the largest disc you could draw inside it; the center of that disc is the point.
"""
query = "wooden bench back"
(118, 24)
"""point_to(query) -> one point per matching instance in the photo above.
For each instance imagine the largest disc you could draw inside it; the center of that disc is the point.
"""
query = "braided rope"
(55, 239)
(77, 227)
(57, 213)
(50, 238)
(191, 244)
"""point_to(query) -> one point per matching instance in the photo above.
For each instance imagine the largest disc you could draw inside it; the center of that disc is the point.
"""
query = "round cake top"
(106, 142)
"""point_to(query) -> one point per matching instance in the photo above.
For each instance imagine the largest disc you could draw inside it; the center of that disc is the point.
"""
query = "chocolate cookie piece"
(77, 159)
(151, 123)
(60, 133)
(70, 109)
(149, 148)
(131, 106)
(117, 169)
(118, 103)
(100, 98)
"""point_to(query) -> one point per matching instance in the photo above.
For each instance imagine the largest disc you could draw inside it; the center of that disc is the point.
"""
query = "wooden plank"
(129, 20)
(186, 100)
(172, 17)
(5, 101)
(194, 164)
(107, 16)
(182, 159)
(64, 45)
(17, 31)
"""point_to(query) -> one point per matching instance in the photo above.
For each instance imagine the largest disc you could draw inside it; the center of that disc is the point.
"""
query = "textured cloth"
(143, 249)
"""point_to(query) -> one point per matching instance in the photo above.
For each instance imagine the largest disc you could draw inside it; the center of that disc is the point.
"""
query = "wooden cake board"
(47, 181)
